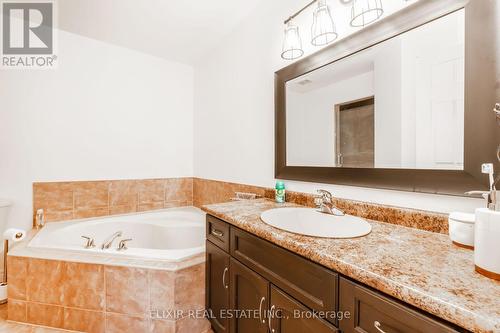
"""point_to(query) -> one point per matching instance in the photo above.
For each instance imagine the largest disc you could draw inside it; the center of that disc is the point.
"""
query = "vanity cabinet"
(254, 286)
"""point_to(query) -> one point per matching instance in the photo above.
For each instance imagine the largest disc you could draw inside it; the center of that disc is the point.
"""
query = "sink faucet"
(109, 241)
(325, 204)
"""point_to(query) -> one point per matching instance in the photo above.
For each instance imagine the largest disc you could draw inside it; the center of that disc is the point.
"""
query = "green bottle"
(279, 195)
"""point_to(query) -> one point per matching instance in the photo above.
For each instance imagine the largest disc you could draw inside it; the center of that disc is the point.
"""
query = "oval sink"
(310, 222)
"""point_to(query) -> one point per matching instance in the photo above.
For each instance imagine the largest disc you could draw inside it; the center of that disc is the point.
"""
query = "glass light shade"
(364, 12)
(292, 44)
(323, 29)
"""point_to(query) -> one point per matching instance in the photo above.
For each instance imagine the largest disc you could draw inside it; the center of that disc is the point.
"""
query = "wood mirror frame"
(482, 91)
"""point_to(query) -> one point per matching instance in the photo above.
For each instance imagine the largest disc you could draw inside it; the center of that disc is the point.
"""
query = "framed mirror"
(397, 105)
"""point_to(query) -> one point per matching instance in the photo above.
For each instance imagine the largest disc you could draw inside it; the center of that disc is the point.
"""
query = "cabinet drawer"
(218, 232)
(309, 283)
(371, 312)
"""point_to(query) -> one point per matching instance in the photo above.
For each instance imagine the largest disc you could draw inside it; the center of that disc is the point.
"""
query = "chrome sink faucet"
(325, 204)
(109, 241)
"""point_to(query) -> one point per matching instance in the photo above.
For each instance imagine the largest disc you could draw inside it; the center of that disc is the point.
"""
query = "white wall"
(234, 110)
(310, 121)
(387, 85)
(105, 113)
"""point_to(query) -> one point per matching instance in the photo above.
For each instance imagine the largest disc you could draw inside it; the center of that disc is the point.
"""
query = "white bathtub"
(172, 234)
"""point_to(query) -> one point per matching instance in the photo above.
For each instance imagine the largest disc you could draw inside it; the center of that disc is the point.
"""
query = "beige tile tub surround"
(82, 199)
(74, 200)
(103, 298)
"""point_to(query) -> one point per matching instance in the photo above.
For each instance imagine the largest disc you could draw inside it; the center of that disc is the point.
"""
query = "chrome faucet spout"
(109, 241)
(325, 204)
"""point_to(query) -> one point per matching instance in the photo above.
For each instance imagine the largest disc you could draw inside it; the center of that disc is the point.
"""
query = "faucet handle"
(90, 242)
(325, 195)
(123, 244)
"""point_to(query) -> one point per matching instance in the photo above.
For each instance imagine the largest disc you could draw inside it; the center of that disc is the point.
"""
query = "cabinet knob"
(217, 233)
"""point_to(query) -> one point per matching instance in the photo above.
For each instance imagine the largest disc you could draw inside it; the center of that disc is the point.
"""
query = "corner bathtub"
(172, 235)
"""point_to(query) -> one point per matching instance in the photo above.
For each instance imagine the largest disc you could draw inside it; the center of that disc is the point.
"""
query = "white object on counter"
(487, 243)
(14, 235)
(461, 229)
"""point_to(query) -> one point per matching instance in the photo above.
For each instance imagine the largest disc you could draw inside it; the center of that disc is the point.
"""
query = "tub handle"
(90, 242)
(217, 233)
(224, 277)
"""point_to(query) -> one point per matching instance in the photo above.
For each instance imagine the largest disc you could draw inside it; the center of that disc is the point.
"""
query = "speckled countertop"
(418, 267)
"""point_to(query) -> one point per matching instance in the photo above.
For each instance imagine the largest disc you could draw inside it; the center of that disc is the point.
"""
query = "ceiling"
(177, 30)
(347, 68)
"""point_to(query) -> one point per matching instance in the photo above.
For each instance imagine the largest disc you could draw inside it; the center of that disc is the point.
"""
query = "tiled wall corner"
(83, 199)
(213, 191)
(73, 200)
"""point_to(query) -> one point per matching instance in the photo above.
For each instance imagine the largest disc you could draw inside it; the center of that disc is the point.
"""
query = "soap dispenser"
(487, 232)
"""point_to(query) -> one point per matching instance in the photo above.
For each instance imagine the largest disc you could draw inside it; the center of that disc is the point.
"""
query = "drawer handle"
(270, 318)
(217, 233)
(224, 278)
(260, 310)
(378, 325)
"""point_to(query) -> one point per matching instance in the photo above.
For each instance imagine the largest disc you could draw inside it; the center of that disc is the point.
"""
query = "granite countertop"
(418, 267)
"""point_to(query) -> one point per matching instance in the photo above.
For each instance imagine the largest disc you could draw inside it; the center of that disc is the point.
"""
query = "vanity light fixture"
(323, 29)
(292, 44)
(364, 12)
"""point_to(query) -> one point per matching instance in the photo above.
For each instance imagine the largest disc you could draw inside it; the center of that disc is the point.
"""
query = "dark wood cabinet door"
(249, 300)
(289, 316)
(217, 287)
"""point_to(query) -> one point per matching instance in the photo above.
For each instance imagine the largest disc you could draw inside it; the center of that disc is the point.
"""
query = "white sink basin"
(310, 222)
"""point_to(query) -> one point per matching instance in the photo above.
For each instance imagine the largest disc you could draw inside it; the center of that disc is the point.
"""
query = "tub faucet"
(123, 244)
(39, 219)
(109, 241)
(325, 204)
(89, 242)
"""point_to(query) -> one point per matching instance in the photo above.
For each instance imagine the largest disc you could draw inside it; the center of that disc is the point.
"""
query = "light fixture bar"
(300, 11)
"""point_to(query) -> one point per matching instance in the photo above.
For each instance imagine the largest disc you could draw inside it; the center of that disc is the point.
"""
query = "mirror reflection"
(398, 104)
